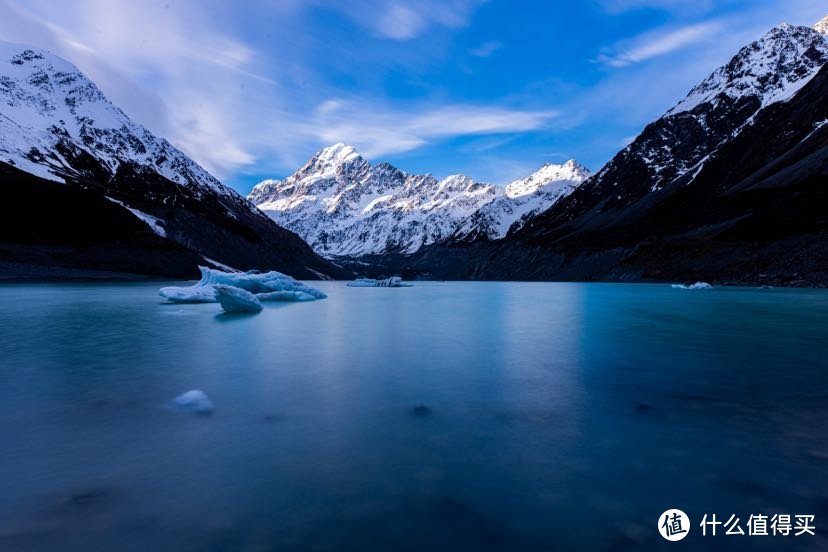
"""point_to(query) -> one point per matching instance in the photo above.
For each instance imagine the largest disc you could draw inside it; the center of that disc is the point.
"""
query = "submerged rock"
(421, 411)
(89, 497)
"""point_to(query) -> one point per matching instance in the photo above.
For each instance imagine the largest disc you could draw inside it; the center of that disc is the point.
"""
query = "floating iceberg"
(191, 294)
(267, 286)
(235, 299)
(697, 285)
(286, 296)
(394, 281)
(194, 401)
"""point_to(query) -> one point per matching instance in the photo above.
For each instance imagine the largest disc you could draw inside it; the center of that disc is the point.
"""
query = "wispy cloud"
(680, 6)
(657, 43)
(196, 70)
(380, 131)
(405, 20)
(486, 49)
(212, 95)
(626, 141)
(486, 143)
(250, 89)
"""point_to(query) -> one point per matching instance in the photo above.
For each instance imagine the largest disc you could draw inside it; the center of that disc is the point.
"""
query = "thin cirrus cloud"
(405, 20)
(657, 43)
(178, 57)
(377, 131)
(201, 89)
(251, 89)
(486, 49)
(675, 6)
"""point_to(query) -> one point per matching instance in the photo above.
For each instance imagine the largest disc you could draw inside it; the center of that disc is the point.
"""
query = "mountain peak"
(772, 68)
(145, 207)
(21, 54)
(331, 160)
(337, 153)
(51, 114)
(576, 168)
(343, 205)
(548, 174)
(821, 26)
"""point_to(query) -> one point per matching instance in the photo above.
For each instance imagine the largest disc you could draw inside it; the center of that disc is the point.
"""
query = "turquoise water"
(456, 416)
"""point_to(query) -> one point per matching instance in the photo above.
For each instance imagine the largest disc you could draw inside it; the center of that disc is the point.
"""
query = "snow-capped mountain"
(345, 206)
(769, 70)
(51, 115)
(523, 199)
(822, 25)
(671, 150)
(727, 186)
(58, 129)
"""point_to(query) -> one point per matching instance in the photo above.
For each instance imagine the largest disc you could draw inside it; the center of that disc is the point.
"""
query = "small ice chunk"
(363, 282)
(235, 299)
(394, 281)
(194, 400)
(697, 285)
(252, 281)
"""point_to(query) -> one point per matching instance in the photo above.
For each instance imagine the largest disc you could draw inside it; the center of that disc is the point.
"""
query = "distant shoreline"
(30, 273)
(40, 274)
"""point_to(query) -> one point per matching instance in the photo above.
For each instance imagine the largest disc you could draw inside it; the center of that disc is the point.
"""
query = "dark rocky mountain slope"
(87, 192)
(729, 186)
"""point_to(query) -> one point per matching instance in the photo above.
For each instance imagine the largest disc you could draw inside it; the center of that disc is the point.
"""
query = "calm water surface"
(456, 416)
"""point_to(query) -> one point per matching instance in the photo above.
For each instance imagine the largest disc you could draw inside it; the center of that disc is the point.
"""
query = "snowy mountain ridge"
(135, 203)
(726, 187)
(767, 71)
(345, 206)
(51, 116)
(772, 68)
(821, 26)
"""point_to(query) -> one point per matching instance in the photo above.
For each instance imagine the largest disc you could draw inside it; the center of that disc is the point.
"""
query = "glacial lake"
(446, 416)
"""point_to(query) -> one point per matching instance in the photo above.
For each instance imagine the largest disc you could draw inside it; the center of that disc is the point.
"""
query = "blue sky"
(492, 89)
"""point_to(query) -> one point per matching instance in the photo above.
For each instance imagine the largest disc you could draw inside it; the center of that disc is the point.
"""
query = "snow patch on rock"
(821, 26)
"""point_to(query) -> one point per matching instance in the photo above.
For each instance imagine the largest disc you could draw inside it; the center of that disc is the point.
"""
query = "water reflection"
(473, 416)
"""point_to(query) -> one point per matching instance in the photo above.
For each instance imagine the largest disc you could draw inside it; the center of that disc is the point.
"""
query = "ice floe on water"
(233, 299)
(194, 400)
(265, 286)
(697, 285)
(394, 281)
(296, 295)
(190, 294)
